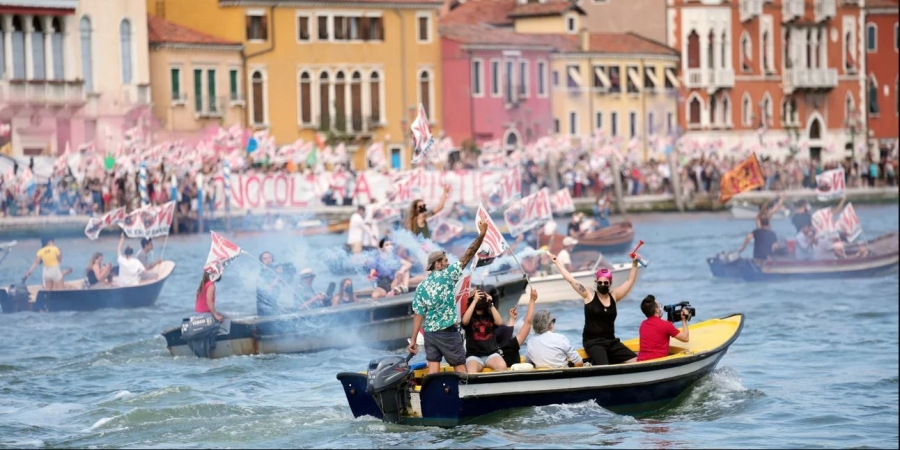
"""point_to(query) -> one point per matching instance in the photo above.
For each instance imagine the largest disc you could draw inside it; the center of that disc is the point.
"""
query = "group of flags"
(148, 222)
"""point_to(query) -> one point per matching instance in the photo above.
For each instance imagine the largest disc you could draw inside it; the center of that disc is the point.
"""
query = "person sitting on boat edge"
(306, 292)
(268, 289)
(764, 241)
(206, 295)
(344, 294)
(599, 335)
(143, 255)
(389, 271)
(130, 269)
(97, 273)
(509, 344)
(434, 303)
(654, 332)
(547, 348)
(418, 214)
(479, 322)
(565, 255)
(805, 243)
(50, 257)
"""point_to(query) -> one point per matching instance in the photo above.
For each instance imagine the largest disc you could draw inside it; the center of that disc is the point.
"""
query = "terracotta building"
(882, 103)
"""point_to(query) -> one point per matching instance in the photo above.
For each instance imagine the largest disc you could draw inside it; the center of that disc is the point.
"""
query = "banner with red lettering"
(508, 189)
(823, 223)
(221, 253)
(422, 139)
(848, 223)
(97, 224)
(149, 221)
(561, 201)
(529, 212)
(830, 184)
(494, 244)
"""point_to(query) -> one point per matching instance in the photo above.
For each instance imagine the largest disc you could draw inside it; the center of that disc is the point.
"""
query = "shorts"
(483, 360)
(385, 283)
(603, 352)
(446, 344)
(52, 274)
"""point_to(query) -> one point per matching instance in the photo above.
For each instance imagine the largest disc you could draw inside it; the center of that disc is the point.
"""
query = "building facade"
(355, 71)
(644, 17)
(195, 78)
(72, 72)
(780, 78)
(500, 88)
(882, 102)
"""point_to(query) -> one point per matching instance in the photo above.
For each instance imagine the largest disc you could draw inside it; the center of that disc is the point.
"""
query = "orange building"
(781, 77)
(882, 102)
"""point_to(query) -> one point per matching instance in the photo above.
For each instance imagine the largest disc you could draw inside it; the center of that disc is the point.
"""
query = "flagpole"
(162, 253)
(523, 270)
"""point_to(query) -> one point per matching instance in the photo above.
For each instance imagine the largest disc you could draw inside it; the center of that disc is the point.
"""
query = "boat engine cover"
(387, 381)
(18, 292)
(200, 334)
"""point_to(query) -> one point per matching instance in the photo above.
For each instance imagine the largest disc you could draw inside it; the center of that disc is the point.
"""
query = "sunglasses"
(603, 283)
(553, 320)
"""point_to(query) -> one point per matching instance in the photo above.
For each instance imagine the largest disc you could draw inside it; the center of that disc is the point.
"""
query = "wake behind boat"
(395, 393)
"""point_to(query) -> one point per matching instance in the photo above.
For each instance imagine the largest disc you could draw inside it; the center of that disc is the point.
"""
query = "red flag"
(493, 239)
(745, 176)
(221, 253)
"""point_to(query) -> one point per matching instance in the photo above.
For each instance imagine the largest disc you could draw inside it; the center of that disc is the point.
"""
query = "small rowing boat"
(396, 393)
(616, 238)
(748, 211)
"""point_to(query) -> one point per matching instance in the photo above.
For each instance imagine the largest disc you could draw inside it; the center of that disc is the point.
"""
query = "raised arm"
(579, 288)
(526, 327)
(476, 244)
(440, 204)
(498, 320)
(121, 243)
(622, 291)
(471, 309)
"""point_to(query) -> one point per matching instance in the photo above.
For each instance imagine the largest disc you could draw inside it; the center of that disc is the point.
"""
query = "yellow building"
(356, 70)
(620, 83)
(195, 79)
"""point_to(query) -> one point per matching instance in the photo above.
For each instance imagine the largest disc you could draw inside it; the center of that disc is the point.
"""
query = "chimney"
(585, 39)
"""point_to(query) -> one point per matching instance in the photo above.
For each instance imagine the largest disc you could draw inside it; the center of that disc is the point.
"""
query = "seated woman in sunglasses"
(599, 335)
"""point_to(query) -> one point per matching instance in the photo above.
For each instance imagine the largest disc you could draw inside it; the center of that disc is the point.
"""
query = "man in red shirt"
(655, 332)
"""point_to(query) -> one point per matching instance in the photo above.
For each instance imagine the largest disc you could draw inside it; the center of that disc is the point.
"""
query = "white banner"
(508, 189)
(527, 213)
(149, 222)
(830, 184)
(561, 201)
(848, 223)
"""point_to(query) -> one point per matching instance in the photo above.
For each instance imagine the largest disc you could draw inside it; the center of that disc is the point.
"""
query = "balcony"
(795, 79)
(207, 107)
(353, 124)
(42, 92)
(824, 10)
(136, 95)
(751, 9)
(712, 79)
(792, 9)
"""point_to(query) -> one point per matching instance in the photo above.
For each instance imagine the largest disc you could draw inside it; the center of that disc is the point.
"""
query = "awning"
(633, 77)
(572, 71)
(601, 74)
(670, 75)
(651, 74)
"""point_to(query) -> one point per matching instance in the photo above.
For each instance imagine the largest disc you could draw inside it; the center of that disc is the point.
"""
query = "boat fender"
(522, 366)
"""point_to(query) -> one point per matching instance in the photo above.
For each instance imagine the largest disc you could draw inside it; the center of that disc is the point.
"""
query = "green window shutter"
(198, 90)
(176, 84)
(233, 84)
(211, 87)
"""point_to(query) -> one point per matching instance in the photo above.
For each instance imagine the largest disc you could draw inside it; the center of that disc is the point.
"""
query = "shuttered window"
(198, 90)
(87, 71)
(125, 44)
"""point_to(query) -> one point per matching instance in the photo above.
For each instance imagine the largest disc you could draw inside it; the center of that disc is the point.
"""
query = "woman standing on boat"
(206, 295)
(599, 335)
(418, 213)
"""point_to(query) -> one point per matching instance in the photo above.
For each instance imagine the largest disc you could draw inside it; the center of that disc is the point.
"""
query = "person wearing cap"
(655, 332)
(565, 255)
(50, 257)
(130, 269)
(547, 348)
(599, 334)
(306, 292)
(434, 304)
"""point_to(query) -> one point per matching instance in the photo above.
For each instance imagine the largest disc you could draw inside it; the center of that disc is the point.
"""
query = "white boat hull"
(746, 211)
(553, 288)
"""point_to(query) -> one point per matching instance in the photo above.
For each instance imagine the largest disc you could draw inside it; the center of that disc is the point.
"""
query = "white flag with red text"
(507, 189)
(221, 253)
(529, 212)
(149, 221)
(823, 223)
(422, 139)
(97, 224)
(848, 223)
(561, 201)
(830, 184)
(494, 244)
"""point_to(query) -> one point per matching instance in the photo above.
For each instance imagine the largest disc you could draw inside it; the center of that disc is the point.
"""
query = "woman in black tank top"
(599, 334)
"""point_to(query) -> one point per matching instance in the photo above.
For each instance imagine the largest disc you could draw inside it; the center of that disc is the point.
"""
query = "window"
(322, 26)
(477, 78)
(198, 90)
(896, 38)
(786, 56)
(650, 125)
(356, 114)
(556, 126)
(56, 40)
(746, 111)
(305, 91)
(510, 86)
(789, 111)
(425, 93)
(849, 108)
(423, 30)
(764, 48)
(212, 103)
(695, 108)
(339, 28)
(693, 50)
(396, 162)
(766, 113)
(175, 75)
(353, 25)
(324, 101)
(555, 78)
(125, 46)
(871, 37)
(234, 91)
(598, 121)
(573, 77)
(373, 28)
(849, 53)
(523, 79)
(303, 34)
(745, 53)
(570, 23)
(87, 62)
(613, 124)
(670, 79)
(601, 80)
(726, 111)
(670, 123)
(573, 123)
(541, 79)
(633, 82)
(632, 125)
(873, 96)
(37, 48)
(340, 101)
(18, 47)
(495, 78)
(650, 78)
(615, 83)
(375, 97)
(713, 109)
(257, 29)
(258, 89)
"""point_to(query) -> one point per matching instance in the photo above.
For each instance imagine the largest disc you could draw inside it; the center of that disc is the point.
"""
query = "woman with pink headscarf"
(599, 334)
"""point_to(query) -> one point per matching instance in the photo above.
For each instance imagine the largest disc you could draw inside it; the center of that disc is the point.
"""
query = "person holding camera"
(655, 332)
(480, 321)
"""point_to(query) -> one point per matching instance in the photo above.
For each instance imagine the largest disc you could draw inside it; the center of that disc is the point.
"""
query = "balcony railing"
(792, 9)
(42, 92)
(212, 107)
(721, 78)
(709, 78)
(349, 124)
(751, 9)
(809, 79)
(693, 78)
(824, 9)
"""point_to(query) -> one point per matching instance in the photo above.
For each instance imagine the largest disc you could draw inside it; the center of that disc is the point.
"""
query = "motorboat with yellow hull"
(396, 393)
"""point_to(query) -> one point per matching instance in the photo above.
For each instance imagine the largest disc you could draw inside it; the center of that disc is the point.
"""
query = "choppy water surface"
(816, 365)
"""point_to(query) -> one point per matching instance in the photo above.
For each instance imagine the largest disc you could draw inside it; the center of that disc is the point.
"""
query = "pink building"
(496, 84)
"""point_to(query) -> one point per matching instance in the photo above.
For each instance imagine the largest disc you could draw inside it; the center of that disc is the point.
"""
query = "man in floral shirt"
(435, 304)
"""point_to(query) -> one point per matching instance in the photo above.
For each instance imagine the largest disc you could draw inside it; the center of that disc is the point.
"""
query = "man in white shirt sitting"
(565, 255)
(130, 269)
(548, 348)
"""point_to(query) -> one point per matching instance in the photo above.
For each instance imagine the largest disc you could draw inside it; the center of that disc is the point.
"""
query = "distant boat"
(77, 297)
(616, 238)
(748, 211)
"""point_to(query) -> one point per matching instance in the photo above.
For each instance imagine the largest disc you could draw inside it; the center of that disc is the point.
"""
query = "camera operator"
(655, 332)
(480, 321)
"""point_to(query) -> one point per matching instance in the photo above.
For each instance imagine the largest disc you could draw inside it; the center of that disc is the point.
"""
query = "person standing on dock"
(435, 304)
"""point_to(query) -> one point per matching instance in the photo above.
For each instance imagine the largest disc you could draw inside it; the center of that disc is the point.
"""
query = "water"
(815, 366)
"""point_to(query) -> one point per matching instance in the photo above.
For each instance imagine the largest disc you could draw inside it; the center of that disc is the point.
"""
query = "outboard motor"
(200, 334)
(18, 297)
(388, 383)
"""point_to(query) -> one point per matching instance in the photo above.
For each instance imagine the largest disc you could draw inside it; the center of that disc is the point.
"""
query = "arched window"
(125, 46)
(356, 102)
(726, 111)
(849, 108)
(87, 61)
(511, 142)
(324, 101)
(713, 117)
(695, 109)
(723, 46)
(18, 47)
(375, 97)
(711, 50)
(305, 90)
(786, 49)
(766, 111)
(764, 48)
(871, 37)
(747, 110)
(258, 87)
(815, 130)
(37, 48)
(340, 99)
(693, 50)
(873, 95)
(425, 93)
(849, 52)
(746, 52)
(56, 40)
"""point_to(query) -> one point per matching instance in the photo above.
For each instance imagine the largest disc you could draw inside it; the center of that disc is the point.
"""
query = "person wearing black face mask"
(418, 213)
(599, 334)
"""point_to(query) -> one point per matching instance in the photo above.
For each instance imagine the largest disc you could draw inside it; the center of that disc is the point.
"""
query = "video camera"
(673, 312)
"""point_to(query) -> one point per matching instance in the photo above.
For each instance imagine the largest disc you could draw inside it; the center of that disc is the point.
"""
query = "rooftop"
(551, 8)
(493, 12)
(51, 4)
(161, 31)
(484, 34)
